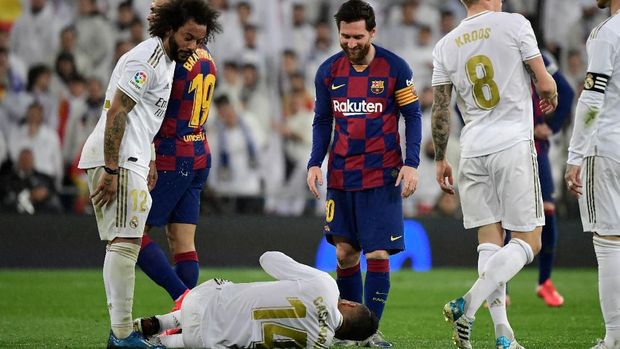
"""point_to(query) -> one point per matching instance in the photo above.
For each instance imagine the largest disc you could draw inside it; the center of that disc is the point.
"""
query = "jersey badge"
(138, 80)
(377, 86)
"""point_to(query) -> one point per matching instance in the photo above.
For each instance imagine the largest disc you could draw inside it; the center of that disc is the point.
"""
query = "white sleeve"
(283, 267)
(528, 46)
(440, 75)
(136, 78)
(600, 68)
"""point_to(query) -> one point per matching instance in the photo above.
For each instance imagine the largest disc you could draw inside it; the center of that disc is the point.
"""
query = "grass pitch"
(66, 309)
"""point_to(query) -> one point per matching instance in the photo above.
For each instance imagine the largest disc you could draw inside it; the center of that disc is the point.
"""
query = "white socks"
(500, 268)
(608, 257)
(169, 321)
(497, 299)
(119, 276)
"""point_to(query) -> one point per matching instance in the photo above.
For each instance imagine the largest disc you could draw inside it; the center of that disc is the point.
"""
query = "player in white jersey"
(595, 147)
(487, 58)
(117, 153)
(301, 309)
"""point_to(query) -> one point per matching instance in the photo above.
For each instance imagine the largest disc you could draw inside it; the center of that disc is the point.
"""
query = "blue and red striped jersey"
(181, 143)
(366, 106)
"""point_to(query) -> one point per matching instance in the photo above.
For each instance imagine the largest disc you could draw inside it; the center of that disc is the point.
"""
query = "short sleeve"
(136, 78)
(440, 75)
(528, 46)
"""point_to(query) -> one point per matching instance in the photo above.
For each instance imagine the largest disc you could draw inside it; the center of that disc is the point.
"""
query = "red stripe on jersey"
(355, 162)
(375, 144)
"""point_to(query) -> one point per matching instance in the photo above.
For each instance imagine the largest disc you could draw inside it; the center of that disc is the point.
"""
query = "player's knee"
(347, 258)
(379, 254)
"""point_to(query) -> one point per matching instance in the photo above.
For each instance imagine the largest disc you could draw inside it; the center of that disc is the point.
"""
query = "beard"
(357, 54)
(178, 55)
(603, 3)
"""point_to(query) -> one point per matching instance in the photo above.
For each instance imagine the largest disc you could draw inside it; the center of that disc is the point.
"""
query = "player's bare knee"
(379, 254)
(347, 257)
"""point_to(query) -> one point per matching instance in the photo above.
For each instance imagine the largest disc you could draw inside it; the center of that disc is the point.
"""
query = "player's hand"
(106, 189)
(151, 179)
(542, 131)
(444, 176)
(572, 176)
(409, 176)
(314, 175)
(548, 105)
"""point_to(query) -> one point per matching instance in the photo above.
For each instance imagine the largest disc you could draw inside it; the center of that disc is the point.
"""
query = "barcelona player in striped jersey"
(182, 161)
(364, 89)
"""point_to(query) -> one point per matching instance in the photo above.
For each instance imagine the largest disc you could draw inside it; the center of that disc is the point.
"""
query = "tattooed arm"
(545, 85)
(114, 130)
(440, 126)
(115, 127)
(440, 122)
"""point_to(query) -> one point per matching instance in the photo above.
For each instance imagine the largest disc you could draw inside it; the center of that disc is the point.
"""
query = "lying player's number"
(273, 332)
(330, 205)
(480, 73)
(203, 87)
(138, 198)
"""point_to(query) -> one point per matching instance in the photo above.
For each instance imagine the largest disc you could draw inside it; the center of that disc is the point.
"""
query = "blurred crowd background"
(56, 57)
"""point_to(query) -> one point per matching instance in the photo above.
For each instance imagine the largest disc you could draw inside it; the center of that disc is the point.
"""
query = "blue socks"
(377, 285)
(187, 268)
(154, 263)
(549, 239)
(349, 282)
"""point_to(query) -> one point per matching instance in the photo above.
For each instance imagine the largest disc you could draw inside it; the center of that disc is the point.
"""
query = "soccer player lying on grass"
(301, 309)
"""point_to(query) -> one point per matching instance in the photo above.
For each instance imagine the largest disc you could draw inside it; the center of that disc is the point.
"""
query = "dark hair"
(173, 14)
(221, 100)
(359, 325)
(355, 10)
(34, 73)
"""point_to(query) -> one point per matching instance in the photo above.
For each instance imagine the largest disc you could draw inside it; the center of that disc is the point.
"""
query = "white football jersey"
(302, 306)
(483, 59)
(145, 75)
(602, 91)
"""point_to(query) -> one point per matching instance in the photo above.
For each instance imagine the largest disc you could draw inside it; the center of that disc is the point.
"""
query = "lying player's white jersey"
(144, 74)
(483, 58)
(599, 134)
(301, 306)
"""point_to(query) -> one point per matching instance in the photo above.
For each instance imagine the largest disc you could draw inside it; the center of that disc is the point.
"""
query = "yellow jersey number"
(484, 83)
(273, 332)
(330, 206)
(203, 87)
(138, 199)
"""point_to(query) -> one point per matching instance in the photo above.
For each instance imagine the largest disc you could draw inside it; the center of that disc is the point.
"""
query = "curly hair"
(356, 10)
(173, 14)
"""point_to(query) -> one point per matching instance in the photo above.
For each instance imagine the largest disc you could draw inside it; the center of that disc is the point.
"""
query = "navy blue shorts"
(370, 219)
(176, 197)
(545, 176)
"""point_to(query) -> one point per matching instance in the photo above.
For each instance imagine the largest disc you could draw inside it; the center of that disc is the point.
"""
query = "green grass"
(66, 309)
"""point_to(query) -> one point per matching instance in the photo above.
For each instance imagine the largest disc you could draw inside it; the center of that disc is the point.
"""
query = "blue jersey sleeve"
(323, 119)
(407, 100)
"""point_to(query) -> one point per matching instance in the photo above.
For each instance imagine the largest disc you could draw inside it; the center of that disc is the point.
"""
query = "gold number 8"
(484, 64)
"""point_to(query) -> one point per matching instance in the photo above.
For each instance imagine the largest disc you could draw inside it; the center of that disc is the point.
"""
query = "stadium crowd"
(56, 57)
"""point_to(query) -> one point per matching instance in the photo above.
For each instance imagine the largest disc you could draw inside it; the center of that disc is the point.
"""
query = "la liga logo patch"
(138, 80)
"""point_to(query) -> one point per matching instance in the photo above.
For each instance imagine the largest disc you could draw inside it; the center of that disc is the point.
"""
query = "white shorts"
(600, 203)
(502, 187)
(124, 217)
